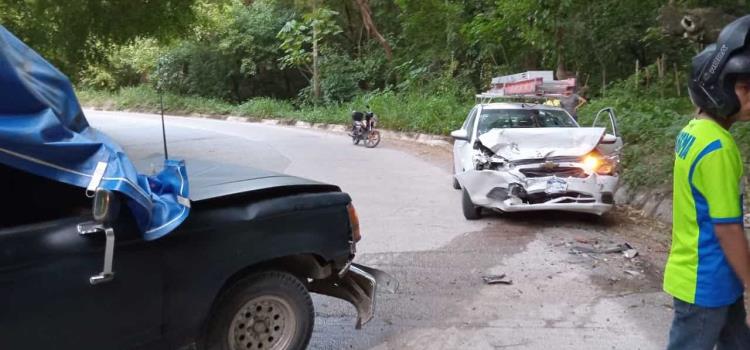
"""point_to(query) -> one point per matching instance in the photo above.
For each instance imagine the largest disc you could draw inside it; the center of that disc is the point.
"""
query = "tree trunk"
(316, 67)
(352, 32)
(372, 29)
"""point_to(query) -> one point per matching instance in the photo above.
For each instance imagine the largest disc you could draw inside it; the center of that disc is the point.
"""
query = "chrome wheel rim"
(265, 322)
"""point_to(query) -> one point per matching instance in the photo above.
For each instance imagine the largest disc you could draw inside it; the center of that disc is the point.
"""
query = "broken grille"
(570, 197)
(556, 171)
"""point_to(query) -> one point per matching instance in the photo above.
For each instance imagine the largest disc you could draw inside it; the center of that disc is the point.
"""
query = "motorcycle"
(364, 130)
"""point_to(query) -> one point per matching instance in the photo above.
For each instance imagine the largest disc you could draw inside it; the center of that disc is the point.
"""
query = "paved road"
(413, 228)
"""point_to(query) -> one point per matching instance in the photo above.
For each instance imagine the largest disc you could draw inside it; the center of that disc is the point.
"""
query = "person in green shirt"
(709, 263)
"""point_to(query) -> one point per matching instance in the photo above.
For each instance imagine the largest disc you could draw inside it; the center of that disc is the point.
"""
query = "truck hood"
(538, 143)
(213, 180)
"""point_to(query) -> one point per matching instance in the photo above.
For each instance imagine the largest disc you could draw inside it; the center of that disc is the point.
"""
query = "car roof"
(517, 105)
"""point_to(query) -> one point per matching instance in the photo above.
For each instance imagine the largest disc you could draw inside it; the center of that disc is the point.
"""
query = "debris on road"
(585, 240)
(582, 250)
(630, 253)
(602, 255)
(496, 279)
(610, 249)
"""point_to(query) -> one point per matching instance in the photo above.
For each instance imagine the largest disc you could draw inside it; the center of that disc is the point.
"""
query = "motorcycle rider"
(369, 119)
(357, 118)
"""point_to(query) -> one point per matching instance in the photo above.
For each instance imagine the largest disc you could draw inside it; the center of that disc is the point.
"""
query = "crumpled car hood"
(537, 143)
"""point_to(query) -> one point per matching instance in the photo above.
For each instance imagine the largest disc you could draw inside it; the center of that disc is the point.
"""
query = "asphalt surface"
(564, 295)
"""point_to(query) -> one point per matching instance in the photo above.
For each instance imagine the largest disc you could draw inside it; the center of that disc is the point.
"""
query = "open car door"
(611, 144)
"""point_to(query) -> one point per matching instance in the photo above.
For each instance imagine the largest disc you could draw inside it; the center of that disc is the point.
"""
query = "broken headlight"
(484, 161)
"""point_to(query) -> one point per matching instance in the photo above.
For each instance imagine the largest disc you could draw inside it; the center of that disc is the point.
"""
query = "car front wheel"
(456, 185)
(270, 310)
(471, 211)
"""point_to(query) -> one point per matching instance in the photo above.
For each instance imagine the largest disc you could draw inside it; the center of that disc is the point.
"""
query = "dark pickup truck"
(235, 275)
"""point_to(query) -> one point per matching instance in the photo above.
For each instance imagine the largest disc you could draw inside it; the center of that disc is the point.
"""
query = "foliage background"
(235, 56)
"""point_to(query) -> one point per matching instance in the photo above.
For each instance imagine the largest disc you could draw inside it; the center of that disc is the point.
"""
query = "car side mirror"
(609, 139)
(460, 134)
(106, 206)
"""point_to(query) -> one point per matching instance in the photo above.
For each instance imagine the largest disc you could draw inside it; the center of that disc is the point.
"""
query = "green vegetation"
(649, 121)
(75, 33)
(417, 63)
(403, 112)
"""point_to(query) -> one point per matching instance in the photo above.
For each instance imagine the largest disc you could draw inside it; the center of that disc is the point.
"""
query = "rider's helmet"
(715, 70)
(357, 116)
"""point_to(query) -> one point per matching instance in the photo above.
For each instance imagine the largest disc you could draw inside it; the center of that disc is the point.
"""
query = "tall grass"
(413, 112)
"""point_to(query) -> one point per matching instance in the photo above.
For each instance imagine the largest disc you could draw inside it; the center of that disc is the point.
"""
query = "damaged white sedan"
(511, 157)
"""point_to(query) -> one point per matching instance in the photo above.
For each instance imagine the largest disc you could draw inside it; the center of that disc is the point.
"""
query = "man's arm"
(735, 246)
(581, 101)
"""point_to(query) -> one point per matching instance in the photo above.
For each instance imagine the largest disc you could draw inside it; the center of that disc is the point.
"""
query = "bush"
(196, 69)
(341, 76)
(125, 65)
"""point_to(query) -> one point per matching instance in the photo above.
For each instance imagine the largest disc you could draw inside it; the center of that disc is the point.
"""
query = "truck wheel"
(456, 185)
(471, 211)
(270, 310)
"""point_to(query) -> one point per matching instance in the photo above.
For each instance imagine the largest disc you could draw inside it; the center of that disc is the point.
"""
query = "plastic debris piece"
(581, 249)
(497, 279)
(615, 249)
(630, 253)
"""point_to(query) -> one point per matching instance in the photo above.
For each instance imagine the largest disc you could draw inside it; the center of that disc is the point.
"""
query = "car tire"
(456, 185)
(471, 211)
(277, 304)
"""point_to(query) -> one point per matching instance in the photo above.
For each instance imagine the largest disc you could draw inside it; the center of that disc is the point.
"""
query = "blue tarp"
(43, 131)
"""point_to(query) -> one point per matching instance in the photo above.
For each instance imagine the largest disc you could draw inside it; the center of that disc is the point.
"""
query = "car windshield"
(523, 118)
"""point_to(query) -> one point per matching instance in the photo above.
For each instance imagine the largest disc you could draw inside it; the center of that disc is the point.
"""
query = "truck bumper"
(357, 285)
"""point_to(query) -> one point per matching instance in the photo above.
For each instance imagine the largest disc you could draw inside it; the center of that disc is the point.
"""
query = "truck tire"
(269, 310)
(471, 211)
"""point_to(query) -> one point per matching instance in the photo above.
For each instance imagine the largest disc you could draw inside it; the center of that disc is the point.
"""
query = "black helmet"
(714, 70)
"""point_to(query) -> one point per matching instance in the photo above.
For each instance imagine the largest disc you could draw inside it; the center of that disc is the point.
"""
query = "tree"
(372, 29)
(232, 53)
(302, 42)
(72, 32)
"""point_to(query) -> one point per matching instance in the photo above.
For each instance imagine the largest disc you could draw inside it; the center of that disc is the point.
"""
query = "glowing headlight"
(595, 162)
(592, 161)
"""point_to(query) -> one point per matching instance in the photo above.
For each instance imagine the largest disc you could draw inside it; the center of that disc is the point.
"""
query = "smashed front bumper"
(357, 285)
(512, 191)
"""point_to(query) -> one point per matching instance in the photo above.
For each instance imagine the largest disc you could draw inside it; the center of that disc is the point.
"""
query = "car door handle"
(91, 228)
